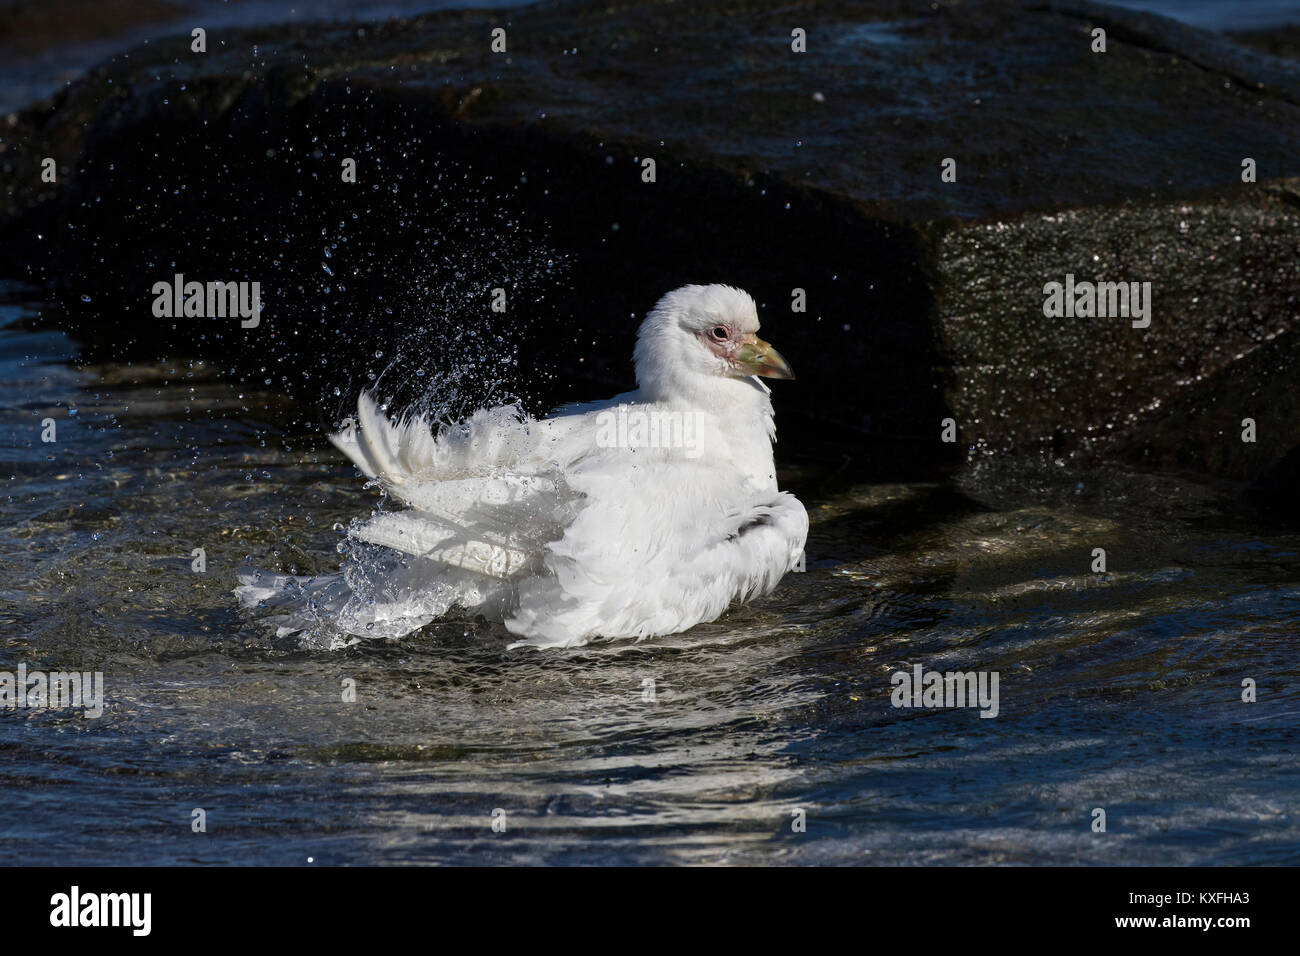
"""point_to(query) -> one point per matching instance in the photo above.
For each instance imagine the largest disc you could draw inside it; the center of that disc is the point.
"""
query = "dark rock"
(1225, 277)
(1278, 41)
(775, 170)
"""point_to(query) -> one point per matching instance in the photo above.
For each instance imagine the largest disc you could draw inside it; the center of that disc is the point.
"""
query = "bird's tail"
(392, 452)
(407, 454)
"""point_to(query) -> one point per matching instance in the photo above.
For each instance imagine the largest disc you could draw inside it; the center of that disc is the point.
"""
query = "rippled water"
(1120, 691)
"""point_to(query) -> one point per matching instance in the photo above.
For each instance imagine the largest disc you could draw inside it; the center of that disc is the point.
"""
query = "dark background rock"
(775, 170)
(1225, 274)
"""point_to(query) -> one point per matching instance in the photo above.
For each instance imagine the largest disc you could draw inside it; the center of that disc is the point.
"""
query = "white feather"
(561, 535)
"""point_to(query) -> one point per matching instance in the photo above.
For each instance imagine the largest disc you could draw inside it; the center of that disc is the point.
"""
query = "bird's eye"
(719, 333)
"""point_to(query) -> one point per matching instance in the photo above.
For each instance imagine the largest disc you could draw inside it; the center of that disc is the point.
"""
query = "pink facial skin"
(723, 346)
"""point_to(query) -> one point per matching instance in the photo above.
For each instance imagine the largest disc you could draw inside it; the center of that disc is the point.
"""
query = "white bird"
(642, 515)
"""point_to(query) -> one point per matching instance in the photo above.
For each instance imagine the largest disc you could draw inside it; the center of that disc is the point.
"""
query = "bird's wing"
(408, 452)
(485, 496)
(496, 526)
(602, 540)
(657, 550)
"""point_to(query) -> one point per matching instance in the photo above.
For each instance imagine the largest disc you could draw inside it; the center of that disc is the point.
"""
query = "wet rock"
(1224, 276)
(774, 170)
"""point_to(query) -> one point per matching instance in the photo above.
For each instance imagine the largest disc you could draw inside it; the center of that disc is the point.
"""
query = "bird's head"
(699, 333)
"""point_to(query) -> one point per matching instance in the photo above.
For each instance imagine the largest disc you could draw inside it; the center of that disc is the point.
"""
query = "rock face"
(1224, 274)
(774, 170)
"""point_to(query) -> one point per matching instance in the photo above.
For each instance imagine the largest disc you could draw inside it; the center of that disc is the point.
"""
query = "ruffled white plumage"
(563, 537)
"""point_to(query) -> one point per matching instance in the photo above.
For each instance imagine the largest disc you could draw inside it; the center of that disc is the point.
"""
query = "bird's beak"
(759, 358)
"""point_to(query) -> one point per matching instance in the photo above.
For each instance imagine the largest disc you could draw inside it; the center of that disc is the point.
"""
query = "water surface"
(1119, 691)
